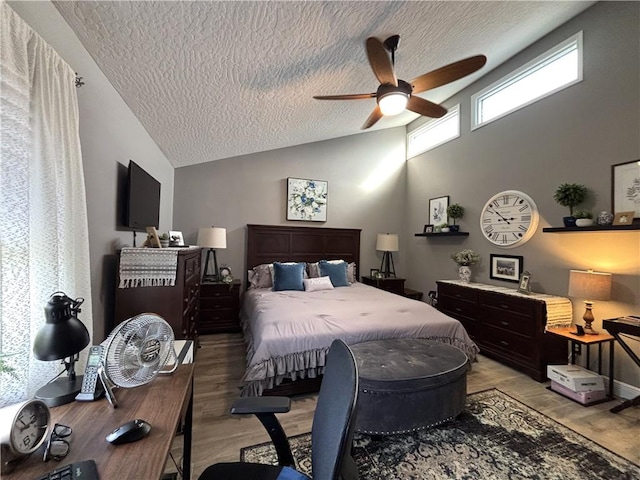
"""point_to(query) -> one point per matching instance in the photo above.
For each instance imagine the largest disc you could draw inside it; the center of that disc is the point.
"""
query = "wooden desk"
(588, 340)
(628, 326)
(161, 403)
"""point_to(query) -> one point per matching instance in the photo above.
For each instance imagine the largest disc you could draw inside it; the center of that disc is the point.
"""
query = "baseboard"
(624, 390)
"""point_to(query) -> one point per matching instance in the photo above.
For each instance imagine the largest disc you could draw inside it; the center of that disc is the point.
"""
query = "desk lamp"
(387, 243)
(212, 238)
(63, 336)
(592, 286)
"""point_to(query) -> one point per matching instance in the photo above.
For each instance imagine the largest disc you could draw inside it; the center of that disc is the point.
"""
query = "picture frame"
(153, 239)
(428, 229)
(176, 238)
(438, 210)
(625, 189)
(524, 284)
(506, 267)
(307, 199)
(624, 218)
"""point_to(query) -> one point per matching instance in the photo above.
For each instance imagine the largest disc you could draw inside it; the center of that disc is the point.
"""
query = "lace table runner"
(148, 267)
(559, 309)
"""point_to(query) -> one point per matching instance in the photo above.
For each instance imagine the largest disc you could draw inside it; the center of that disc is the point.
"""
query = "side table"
(389, 284)
(219, 307)
(588, 340)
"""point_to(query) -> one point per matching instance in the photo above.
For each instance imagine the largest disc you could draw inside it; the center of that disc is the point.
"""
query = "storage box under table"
(575, 378)
(585, 398)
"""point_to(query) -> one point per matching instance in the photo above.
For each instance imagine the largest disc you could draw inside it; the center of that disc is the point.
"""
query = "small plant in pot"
(570, 195)
(455, 211)
(164, 240)
(584, 218)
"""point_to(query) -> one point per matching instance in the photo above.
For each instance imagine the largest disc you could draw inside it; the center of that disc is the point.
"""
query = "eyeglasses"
(57, 446)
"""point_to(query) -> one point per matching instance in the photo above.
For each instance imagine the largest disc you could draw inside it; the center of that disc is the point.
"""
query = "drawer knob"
(458, 309)
(506, 307)
(504, 324)
(503, 343)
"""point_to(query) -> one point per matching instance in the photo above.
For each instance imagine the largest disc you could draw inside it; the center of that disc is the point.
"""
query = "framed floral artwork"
(625, 188)
(307, 200)
(438, 210)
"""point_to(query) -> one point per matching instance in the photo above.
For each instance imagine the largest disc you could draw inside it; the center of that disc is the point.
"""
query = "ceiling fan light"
(393, 103)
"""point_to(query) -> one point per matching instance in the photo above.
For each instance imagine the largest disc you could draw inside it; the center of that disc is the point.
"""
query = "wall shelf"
(594, 228)
(443, 234)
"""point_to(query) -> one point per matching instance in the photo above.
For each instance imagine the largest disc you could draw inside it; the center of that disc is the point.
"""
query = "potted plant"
(570, 195)
(465, 258)
(584, 218)
(164, 240)
(455, 211)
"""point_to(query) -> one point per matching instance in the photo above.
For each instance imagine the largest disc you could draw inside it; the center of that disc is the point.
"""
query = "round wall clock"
(23, 426)
(509, 219)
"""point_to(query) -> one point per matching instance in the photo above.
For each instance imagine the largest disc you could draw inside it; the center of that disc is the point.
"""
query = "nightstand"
(219, 307)
(390, 284)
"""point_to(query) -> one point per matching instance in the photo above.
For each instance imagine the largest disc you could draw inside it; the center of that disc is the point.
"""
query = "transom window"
(554, 70)
(434, 133)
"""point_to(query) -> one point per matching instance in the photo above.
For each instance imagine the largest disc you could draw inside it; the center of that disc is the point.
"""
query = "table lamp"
(63, 336)
(212, 238)
(387, 243)
(592, 286)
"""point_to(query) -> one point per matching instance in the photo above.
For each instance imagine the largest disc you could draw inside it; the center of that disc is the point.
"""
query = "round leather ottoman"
(408, 384)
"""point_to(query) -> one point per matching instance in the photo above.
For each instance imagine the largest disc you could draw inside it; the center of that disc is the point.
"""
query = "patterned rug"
(496, 437)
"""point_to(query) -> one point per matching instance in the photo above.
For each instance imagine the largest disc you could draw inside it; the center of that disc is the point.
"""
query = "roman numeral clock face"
(509, 219)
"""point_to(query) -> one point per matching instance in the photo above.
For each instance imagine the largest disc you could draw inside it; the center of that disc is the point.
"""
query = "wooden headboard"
(284, 243)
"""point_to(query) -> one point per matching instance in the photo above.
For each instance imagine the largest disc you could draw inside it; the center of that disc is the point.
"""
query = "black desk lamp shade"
(62, 336)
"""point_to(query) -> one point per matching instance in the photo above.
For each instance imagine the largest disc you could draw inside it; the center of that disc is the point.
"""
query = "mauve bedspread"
(289, 333)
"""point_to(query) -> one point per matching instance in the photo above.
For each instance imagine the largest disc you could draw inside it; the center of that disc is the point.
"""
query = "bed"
(288, 333)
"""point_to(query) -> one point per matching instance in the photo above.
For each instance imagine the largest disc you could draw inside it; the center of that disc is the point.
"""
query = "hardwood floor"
(217, 436)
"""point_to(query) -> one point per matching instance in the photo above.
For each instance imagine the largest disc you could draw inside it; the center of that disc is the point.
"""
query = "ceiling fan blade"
(354, 96)
(380, 62)
(448, 73)
(373, 118)
(425, 107)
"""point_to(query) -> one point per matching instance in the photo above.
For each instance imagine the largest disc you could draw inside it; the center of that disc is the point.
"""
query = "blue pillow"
(337, 272)
(288, 276)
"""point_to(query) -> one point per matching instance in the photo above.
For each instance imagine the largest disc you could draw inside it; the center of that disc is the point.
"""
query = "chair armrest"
(255, 405)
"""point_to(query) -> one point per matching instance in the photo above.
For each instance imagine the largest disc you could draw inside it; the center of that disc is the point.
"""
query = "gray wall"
(572, 136)
(110, 136)
(366, 190)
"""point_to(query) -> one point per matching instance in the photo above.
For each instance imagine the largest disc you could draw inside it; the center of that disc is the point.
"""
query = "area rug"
(496, 437)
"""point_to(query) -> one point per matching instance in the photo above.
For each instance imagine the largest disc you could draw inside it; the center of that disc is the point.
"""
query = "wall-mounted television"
(143, 199)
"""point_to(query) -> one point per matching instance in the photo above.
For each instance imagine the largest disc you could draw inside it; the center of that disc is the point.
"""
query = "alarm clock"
(23, 428)
(509, 219)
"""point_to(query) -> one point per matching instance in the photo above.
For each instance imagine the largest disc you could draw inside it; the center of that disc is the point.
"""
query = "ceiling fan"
(395, 95)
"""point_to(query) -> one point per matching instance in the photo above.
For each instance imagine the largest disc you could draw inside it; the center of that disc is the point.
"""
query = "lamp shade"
(589, 285)
(212, 237)
(387, 242)
(63, 335)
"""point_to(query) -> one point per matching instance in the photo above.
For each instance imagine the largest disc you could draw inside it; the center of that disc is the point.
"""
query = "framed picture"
(176, 238)
(307, 200)
(438, 210)
(623, 218)
(524, 285)
(428, 229)
(625, 188)
(374, 273)
(506, 267)
(153, 240)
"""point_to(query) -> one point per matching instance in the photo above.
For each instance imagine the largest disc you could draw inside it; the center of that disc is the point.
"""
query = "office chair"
(331, 432)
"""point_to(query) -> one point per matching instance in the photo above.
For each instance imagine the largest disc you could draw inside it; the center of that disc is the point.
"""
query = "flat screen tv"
(143, 199)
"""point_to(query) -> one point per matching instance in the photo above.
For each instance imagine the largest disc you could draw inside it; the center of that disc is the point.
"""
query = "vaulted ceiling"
(211, 80)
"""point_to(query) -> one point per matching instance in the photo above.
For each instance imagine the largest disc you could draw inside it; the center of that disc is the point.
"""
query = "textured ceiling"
(211, 80)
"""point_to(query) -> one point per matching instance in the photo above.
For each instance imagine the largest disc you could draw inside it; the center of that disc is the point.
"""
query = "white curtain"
(44, 241)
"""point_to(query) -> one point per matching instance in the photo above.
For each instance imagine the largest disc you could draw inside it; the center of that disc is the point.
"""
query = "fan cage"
(138, 349)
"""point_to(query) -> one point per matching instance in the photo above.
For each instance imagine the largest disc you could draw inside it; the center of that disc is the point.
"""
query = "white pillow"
(319, 283)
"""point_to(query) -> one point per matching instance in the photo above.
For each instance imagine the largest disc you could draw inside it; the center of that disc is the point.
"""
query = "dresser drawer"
(457, 307)
(507, 303)
(192, 269)
(511, 322)
(509, 343)
(209, 303)
(459, 293)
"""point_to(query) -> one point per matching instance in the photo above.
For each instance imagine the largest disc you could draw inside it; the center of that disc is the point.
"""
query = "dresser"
(508, 326)
(178, 304)
(219, 307)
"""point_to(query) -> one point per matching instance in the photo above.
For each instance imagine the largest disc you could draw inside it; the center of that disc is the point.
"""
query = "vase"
(464, 273)
(569, 221)
(605, 218)
(584, 222)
